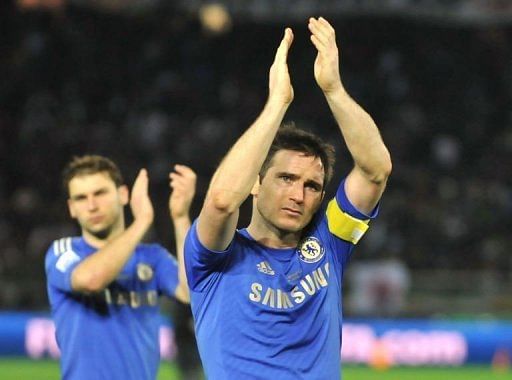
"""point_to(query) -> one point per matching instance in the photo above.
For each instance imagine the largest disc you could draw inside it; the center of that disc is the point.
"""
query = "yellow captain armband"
(343, 225)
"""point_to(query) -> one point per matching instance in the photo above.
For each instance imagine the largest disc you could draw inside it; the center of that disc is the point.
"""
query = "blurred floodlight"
(215, 18)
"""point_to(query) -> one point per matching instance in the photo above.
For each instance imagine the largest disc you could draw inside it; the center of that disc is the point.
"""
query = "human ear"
(124, 194)
(256, 187)
(71, 209)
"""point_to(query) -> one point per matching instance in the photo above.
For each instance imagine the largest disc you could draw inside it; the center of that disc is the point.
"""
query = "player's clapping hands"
(327, 73)
(183, 184)
(140, 203)
(280, 87)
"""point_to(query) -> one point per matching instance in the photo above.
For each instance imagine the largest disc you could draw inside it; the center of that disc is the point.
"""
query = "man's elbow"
(386, 170)
(222, 201)
(380, 174)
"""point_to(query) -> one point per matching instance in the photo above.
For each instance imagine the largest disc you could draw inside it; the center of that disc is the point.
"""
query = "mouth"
(291, 211)
(96, 219)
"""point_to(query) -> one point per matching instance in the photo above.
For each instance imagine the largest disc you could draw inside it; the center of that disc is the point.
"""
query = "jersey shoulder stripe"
(343, 225)
(62, 245)
(63, 250)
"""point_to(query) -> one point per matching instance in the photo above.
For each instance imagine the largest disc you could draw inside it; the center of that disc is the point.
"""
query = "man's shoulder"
(64, 252)
(65, 244)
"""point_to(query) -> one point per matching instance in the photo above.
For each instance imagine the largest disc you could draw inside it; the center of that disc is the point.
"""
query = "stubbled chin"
(99, 232)
(292, 225)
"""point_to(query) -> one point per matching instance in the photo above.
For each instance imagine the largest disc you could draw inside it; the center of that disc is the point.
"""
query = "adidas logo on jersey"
(264, 267)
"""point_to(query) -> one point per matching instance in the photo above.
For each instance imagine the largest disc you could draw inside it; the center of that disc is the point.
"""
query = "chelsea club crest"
(310, 250)
(144, 272)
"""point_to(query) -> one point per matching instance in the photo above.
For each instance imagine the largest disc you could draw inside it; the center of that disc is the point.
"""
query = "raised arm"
(372, 163)
(99, 269)
(183, 185)
(237, 173)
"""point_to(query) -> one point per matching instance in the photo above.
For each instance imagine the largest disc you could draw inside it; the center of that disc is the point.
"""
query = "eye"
(315, 187)
(285, 178)
(101, 192)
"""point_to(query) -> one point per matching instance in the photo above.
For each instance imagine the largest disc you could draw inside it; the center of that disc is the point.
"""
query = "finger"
(180, 195)
(326, 24)
(142, 177)
(177, 171)
(176, 186)
(282, 51)
(181, 183)
(175, 176)
(317, 29)
(188, 172)
(288, 33)
(319, 46)
(184, 171)
(180, 168)
(141, 182)
(287, 40)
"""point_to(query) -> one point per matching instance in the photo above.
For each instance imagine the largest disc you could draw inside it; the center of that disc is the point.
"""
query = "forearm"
(181, 227)
(361, 136)
(237, 173)
(102, 267)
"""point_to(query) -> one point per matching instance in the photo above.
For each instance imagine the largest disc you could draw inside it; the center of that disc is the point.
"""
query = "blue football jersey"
(113, 334)
(265, 313)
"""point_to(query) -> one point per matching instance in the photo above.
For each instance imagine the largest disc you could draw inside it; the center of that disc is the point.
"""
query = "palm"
(280, 83)
(326, 68)
(183, 185)
(139, 202)
(280, 86)
(319, 71)
(179, 204)
(326, 73)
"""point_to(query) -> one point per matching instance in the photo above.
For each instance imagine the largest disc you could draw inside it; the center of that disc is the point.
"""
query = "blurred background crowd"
(153, 83)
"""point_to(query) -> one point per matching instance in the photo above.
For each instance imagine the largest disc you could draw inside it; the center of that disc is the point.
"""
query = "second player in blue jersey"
(104, 286)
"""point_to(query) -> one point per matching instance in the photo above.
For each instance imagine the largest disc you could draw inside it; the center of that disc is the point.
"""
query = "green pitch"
(22, 369)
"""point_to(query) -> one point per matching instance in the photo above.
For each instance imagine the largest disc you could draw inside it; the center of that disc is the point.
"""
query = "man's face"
(291, 190)
(96, 203)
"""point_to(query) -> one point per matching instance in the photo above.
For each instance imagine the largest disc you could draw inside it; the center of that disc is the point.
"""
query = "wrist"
(275, 105)
(181, 221)
(142, 224)
(336, 91)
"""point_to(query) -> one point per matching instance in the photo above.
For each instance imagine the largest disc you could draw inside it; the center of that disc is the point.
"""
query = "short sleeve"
(200, 262)
(61, 259)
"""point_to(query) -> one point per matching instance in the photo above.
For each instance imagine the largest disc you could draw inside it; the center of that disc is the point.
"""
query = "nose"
(91, 204)
(297, 192)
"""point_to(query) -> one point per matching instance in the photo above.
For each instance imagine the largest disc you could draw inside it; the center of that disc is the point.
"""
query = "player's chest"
(135, 286)
(268, 282)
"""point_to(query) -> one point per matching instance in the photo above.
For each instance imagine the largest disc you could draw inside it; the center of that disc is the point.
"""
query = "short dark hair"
(290, 137)
(90, 164)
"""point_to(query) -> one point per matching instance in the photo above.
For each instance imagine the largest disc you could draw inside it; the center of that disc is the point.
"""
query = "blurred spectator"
(378, 288)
